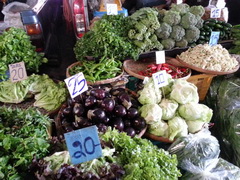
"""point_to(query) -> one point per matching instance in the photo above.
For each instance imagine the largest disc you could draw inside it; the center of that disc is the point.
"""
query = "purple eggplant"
(120, 110)
(132, 113)
(106, 120)
(90, 101)
(125, 99)
(78, 109)
(118, 124)
(139, 123)
(96, 115)
(100, 94)
(102, 127)
(127, 123)
(107, 104)
(67, 111)
(70, 102)
(116, 91)
(130, 131)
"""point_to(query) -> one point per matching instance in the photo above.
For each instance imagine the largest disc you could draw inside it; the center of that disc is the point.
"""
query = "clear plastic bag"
(12, 15)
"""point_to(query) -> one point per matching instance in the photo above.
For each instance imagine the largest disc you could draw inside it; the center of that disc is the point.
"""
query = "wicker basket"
(107, 81)
(203, 82)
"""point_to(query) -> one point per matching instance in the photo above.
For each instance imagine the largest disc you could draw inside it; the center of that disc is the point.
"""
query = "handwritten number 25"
(78, 86)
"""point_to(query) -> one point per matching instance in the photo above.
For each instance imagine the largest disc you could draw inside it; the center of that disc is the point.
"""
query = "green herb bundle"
(23, 135)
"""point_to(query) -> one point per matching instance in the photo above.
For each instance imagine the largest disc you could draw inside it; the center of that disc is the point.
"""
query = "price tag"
(76, 84)
(17, 72)
(160, 57)
(83, 144)
(160, 78)
(215, 13)
(112, 9)
(179, 1)
(214, 38)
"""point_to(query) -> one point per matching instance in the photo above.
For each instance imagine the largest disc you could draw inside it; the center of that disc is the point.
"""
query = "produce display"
(198, 155)
(214, 58)
(47, 94)
(179, 26)
(173, 110)
(103, 107)
(174, 71)
(15, 46)
(214, 25)
(123, 158)
(236, 40)
(23, 134)
(105, 68)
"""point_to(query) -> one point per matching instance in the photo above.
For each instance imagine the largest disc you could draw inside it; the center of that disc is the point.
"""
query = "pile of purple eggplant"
(103, 106)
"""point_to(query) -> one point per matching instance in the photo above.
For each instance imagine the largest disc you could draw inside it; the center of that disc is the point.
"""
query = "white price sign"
(160, 78)
(215, 13)
(76, 84)
(17, 72)
(179, 1)
(160, 57)
(112, 9)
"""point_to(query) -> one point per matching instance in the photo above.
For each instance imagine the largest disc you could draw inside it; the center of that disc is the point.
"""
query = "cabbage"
(166, 90)
(177, 128)
(195, 112)
(169, 108)
(150, 94)
(151, 113)
(159, 128)
(184, 92)
(195, 126)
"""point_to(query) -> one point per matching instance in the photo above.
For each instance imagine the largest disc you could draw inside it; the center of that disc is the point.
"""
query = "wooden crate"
(203, 82)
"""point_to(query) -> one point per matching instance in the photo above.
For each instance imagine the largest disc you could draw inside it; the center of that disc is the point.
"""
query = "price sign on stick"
(179, 2)
(112, 9)
(160, 78)
(215, 13)
(17, 72)
(214, 38)
(83, 144)
(160, 57)
(76, 84)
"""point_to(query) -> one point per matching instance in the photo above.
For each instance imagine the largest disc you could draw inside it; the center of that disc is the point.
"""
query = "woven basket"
(107, 81)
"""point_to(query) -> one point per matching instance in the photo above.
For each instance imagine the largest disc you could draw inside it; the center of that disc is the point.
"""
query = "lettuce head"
(151, 113)
(169, 108)
(195, 112)
(184, 92)
(159, 128)
(177, 128)
(195, 126)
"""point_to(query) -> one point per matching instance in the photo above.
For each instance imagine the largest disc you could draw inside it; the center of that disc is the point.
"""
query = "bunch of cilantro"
(15, 46)
(23, 135)
(108, 38)
(141, 159)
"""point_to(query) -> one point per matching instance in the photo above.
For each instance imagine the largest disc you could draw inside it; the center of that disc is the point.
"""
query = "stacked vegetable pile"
(236, 40)
(15, 46)
(173, 110)
(179, 26)
(214, 25)
(23, 134)
(105, 68)
(214, 58)
(47, 94)
(123, 158)
(103, 107)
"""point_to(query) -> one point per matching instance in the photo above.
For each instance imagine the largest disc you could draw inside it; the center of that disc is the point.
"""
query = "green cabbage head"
(169, 108)
(177, 128)
(151, 113)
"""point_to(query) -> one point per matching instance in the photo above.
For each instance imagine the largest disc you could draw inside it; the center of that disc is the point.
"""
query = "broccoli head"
(182, 43)
(177, 32)
(168, 43)
(164, 31)
(197, 10)
(172, 18)
(200, 22)
(192, 34)
(188, 20)
(181, 8)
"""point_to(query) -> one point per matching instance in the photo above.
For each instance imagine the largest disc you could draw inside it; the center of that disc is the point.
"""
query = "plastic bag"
(12, 15)
(224, 99)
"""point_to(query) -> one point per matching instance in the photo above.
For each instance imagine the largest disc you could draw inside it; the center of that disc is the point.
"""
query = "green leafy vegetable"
(23, 134)
(169, 108)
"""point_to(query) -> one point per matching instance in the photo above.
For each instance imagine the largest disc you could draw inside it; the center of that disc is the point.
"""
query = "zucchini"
(218, 26)
(207, 28)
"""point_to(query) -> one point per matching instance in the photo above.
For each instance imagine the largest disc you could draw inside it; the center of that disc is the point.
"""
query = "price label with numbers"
(76, 84)
(214, 38)
(83, 144)
(215, 13)
(160, 57)
(17, 72)
(160, 78)
(112, 9)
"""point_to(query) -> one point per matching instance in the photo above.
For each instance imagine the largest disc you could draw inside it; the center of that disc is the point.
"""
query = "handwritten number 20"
(17, 74)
